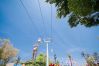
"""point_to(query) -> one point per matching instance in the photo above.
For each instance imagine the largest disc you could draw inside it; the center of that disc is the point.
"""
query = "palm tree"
(70, 59)
(92, 60)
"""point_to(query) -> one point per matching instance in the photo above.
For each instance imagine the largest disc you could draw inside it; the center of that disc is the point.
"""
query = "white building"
(10, 64)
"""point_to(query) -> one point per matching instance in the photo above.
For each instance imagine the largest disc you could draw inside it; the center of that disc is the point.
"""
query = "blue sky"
(23, 33)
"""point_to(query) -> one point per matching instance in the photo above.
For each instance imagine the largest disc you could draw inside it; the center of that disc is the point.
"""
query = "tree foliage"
(40, 61)
(91, 59)
(41, 58)
(84, 12)
(7, 51)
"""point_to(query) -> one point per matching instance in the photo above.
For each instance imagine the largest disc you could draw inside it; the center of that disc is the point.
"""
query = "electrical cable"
(44, 33)
(30, 18)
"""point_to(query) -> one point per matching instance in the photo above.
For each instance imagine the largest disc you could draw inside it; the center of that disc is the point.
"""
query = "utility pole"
(47, 53)
(35, 49)
(55, 58)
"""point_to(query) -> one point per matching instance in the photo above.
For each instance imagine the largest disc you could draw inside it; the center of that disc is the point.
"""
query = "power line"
(28, 14)
(51, 22)
(42, 19)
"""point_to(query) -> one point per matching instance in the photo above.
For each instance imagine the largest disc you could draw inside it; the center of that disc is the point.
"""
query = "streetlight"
(39, 40)
(47, 59)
